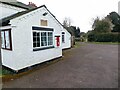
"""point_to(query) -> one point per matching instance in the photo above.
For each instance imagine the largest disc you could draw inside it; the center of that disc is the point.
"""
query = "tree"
(77, 32)
(95, 21)
(71, 30)
(102, 26)
(67, 22)
(74, 31)
(67, 25)
(115, 18)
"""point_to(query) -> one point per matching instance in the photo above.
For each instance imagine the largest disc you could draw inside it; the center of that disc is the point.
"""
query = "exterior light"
(44, 14)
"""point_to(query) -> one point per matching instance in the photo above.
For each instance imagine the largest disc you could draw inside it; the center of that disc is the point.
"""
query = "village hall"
(30, 35)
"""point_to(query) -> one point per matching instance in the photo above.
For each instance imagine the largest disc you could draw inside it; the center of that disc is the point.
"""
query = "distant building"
(119, 7)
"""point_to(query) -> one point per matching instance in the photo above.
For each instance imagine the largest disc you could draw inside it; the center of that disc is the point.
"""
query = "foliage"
(83, 37)
(77, 32)
(67, 22)
(91, 36)
(115, 18)
(103, 30)
(95, 21)
(77, 39)
(101, 26)
(104, 37)
(4, 71)
(71, 29)
(110, 43)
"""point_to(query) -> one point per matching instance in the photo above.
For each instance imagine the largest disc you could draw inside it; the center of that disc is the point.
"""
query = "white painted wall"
(22, 54)
(119, 7)
(7, 10)
(67, 43)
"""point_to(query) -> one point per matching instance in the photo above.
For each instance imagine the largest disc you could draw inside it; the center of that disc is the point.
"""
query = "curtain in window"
(3, 39)
(7, 39)
(50, 38)
(43, 39)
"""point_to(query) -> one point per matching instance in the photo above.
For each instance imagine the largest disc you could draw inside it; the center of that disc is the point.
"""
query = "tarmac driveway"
(87, 66)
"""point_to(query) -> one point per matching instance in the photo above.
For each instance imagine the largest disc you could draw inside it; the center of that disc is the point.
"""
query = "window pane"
(34, 36)
(7, 38)
(63, 38)
(38, 37)
(34, 44)
(34, 33)
(49, 33)
(50, 38)
(38, 34)
(34, 39)
(38, 44)
(43, 39)
(3, 39)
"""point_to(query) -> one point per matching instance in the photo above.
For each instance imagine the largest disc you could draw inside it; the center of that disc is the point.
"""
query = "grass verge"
(109, 43)
(77, 44)
(4, 72)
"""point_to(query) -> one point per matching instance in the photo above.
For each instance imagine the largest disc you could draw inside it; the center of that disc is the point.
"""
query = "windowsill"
(38, 49)
(6, 49)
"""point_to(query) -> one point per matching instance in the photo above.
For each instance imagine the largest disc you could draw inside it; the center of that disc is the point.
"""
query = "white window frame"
(41, 40)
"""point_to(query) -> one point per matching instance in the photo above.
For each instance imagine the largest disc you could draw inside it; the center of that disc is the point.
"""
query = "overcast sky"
(81, 12)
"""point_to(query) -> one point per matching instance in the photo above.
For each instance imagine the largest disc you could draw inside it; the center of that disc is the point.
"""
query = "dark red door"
(58, 41)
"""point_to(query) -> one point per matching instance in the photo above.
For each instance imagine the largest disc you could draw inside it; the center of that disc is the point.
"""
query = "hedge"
(104, 37)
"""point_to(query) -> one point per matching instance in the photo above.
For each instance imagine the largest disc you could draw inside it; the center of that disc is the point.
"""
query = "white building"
(119, 7)
(30, 36)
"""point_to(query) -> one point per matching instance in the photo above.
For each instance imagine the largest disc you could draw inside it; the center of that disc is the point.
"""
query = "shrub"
(104, 37)
(77, 39)
(91, 37)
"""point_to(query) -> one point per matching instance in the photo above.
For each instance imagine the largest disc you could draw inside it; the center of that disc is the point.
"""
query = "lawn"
(110, 43)
(78, 44)
(4, 72)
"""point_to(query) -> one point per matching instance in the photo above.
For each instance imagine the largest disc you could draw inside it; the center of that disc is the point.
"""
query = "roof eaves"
(7, 19)
(17, 5)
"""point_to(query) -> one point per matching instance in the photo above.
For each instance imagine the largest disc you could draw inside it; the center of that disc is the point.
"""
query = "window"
(6, 39)
(63, 37)
(44, 23)
(50, 38)
(36, 39)
(42, 39)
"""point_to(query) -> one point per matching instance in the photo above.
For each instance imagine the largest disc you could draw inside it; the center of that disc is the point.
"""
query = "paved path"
(87, 66)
